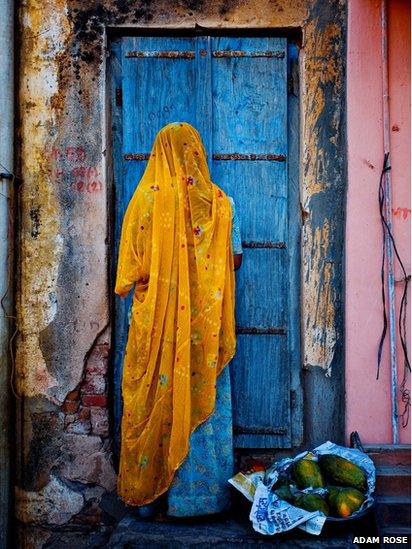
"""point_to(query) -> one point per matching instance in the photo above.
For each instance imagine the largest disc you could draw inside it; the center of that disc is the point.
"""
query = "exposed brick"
(95, 400)
(84, 413)
(69, 418)
(105, 349)
(80, 427)
(94, 385)
(70, 407)
(96, 365)
(73, 395)
(100, 421)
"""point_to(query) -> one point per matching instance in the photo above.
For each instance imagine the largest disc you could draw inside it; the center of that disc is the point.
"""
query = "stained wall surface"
(65, 466)
(368, 401)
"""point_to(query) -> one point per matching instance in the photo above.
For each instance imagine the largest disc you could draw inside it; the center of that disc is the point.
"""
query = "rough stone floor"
(132, 532)
(128, 531)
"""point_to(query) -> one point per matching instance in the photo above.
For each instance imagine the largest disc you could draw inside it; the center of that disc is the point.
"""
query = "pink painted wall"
(368, 401)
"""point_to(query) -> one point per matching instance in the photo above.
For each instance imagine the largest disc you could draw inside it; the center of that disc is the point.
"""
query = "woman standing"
(176, 251)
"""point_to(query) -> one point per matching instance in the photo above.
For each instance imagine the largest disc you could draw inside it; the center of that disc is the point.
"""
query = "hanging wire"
(387, 233)
(383, 292)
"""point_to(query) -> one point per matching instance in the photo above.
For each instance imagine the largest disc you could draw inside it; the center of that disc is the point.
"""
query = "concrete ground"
(126, 530)
(132, 532)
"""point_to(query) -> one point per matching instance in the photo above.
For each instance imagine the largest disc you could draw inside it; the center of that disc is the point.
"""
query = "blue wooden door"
(234, 90)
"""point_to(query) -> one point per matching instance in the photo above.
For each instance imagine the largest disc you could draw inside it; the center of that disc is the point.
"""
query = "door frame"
(113, 105)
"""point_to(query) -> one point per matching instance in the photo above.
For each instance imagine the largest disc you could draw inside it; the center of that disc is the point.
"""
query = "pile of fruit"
(342, 485)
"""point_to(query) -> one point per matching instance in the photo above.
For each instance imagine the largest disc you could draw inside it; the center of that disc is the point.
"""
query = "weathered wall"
(65, 461)
(369, 401)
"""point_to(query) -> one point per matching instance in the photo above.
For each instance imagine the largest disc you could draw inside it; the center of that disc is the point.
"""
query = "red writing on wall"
(73, 154)
(401, 212)
(83, 178)
(86, 178)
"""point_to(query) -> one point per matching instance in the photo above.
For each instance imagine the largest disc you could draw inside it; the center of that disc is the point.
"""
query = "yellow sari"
(176, 251)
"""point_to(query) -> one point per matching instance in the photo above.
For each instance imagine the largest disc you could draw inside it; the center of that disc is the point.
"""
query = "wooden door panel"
(249, 99)
(261, 291)
(260, 194)
(262, 422)
(156, 90)
(249, 91)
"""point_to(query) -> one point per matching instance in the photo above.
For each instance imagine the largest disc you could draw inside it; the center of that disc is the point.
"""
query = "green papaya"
(283, 480)
(284, 493)
(333, 490)
(312, 502)
(343, 502)
(343, 472)
(307, 474)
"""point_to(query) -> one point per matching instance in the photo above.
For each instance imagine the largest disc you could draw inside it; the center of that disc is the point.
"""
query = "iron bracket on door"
(238, 156)
(243, 53)
(259, 430)
(176, 54)
(266, 244)
(252, 330)
(136, 156)
(226, 156)
(166, 54)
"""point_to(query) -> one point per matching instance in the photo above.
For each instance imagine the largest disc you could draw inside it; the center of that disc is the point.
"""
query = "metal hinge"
(119, 97)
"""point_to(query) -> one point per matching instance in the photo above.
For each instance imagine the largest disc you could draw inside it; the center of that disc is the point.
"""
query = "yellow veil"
(176, 250)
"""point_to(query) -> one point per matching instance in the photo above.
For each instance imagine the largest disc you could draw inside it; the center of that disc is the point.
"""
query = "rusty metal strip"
(238, 430)
(256, 244)
(167, 54)
(237, 156)
(270, 330)
(242, 53)
(137, 156)
(231, 156)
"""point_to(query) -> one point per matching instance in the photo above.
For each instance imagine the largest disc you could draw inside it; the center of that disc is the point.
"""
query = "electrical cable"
(387, 233)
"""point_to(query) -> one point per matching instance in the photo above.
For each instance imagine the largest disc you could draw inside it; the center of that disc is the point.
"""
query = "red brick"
(70, 406)
(84, 413)
(96, 365)
(104, 350)
(73, 395)
(95, 400)
(100, 421)
(94, 385)
(69, 418)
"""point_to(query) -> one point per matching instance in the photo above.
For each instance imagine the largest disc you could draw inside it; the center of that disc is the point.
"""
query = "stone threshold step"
(393, 481)
(395, 537)
(389, 454)
(396, 470)
(393, 513)
(387, 447)
(394, 529)
(393, 500)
